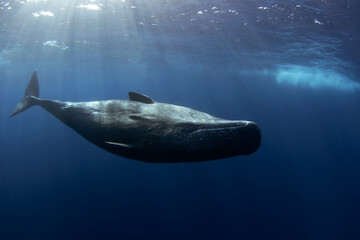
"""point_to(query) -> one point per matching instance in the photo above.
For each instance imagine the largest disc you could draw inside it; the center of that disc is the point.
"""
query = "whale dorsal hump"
(133, 96)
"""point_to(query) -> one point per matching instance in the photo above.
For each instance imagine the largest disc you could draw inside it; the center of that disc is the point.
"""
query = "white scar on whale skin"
(118, 144)
(145, 130)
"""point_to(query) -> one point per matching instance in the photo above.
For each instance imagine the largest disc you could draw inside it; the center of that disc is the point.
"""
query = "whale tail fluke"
(30, 97)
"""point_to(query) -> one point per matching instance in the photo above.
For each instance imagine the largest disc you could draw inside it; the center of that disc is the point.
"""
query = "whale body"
(149, 131)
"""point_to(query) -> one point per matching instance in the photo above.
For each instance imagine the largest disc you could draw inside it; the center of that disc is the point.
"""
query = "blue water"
(290, 66)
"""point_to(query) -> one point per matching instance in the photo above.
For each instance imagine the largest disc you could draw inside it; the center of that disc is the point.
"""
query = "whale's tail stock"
(30, 96)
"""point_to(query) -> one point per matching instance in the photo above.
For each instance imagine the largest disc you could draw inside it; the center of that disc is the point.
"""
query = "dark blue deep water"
(291, 66)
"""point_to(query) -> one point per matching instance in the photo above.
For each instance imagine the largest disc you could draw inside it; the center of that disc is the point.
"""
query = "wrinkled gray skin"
(145, 130)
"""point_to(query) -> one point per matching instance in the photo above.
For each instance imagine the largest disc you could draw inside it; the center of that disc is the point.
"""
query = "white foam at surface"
(54, 43)
(92, 7)
(43, 13)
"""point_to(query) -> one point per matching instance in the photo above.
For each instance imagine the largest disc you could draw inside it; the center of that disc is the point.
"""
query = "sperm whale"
(143, 129)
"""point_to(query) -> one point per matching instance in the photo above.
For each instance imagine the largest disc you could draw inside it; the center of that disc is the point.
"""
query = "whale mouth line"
(222, 129)
(217, 129)
(233, 126)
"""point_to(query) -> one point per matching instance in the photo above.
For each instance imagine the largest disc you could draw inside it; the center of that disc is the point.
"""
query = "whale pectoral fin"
(137, 97)
(119, 144)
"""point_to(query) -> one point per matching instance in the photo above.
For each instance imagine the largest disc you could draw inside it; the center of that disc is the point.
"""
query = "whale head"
(224, 139)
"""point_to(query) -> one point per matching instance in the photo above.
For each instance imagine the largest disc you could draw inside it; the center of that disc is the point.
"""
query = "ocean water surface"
(292, 66)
